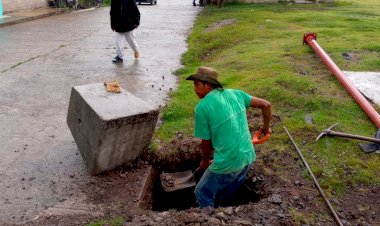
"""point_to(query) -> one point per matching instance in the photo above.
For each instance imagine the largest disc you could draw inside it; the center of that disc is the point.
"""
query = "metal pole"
(310, 39)
(315, 181)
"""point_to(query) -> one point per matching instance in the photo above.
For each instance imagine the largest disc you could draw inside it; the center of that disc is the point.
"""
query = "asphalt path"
(40, 61)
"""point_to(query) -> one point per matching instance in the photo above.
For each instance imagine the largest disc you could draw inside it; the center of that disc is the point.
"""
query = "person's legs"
(230, 191)
(222, 186)
(206, 189)
(119, 44)
(130, 38)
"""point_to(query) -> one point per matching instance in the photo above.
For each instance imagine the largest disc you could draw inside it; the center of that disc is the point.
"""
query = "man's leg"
(230, 191)
(223, 186)
(131, 40)
(206, 189)
(119, 44)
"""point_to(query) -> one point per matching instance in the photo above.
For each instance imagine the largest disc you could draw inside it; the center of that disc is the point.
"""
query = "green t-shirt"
(221, 117)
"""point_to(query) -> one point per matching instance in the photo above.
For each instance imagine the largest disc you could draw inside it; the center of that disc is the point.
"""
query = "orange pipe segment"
(310, 39)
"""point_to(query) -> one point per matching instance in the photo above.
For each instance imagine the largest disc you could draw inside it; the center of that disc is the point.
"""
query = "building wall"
(16, 5)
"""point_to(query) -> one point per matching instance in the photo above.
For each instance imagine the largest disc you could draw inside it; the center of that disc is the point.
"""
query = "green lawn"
(117, 221)
(258, 48)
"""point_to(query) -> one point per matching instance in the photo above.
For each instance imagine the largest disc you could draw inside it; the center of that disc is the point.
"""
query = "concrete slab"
(368, 83)
(109, 128)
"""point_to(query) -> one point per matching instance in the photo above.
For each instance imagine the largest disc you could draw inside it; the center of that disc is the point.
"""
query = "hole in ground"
(180, 199)
(155, 198)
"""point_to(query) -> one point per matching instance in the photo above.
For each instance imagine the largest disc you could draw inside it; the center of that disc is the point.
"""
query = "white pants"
(129, 37)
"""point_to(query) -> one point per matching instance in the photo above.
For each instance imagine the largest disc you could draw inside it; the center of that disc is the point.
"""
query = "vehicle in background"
(147, 1)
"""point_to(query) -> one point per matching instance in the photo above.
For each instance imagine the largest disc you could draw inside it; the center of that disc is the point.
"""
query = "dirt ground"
(275, 193)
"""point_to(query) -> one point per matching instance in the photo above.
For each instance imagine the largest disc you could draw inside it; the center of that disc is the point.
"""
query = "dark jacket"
(125, 16)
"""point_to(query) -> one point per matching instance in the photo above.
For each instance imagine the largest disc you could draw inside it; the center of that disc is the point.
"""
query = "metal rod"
(353, 136)
(315, 181)
(310, 39)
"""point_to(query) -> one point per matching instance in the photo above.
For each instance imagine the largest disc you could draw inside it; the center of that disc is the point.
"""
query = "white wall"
(16, 5)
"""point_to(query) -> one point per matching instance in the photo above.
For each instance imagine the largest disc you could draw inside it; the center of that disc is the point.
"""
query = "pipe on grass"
(333, 212)
(310, 39)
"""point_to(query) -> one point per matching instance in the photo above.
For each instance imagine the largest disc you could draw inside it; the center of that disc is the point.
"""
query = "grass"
(261, 52)
(117, 221)
(107, 2)
(301, 219)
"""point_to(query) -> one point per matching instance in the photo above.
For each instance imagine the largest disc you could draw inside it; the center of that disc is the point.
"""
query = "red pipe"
(310, 39)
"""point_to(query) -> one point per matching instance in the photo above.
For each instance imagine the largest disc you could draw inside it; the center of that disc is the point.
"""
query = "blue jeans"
(218, 186)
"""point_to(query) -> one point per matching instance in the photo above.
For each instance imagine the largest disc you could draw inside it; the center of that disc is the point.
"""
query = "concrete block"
(109, 128)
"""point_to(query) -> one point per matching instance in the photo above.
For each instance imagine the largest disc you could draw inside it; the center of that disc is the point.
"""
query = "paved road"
(39, 63)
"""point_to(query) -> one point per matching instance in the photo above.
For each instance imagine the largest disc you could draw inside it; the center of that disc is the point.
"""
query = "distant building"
(9, 6)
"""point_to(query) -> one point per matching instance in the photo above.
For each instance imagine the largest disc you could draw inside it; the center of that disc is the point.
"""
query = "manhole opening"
(180, 199)
(155, 198)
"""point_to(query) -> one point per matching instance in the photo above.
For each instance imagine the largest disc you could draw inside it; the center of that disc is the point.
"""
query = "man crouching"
(221, 123)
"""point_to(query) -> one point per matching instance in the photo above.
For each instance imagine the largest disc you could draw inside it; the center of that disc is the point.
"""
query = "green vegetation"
(258, 48)
(87, 3)
(301, 219)
(81, 3)
(106, 2)
(113, 222)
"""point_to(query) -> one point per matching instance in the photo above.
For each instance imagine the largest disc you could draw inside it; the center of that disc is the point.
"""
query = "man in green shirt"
(221, 123)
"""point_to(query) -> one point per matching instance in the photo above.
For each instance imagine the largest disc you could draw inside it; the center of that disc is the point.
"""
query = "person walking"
(125, 18)
(221, 123)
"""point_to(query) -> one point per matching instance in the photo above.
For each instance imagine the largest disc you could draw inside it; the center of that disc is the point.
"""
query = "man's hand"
(266, 130)
(204, 165)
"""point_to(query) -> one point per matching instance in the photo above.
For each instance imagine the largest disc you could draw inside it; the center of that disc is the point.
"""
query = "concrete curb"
(30, 18)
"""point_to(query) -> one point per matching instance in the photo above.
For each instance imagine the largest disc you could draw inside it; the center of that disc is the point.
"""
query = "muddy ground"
(275, 193)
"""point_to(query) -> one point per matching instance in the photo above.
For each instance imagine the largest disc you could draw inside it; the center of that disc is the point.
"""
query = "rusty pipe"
(335, 215)
(310, 39)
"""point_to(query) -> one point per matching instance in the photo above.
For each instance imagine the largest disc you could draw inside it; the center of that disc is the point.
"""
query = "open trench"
(184, 154)
(154, 197)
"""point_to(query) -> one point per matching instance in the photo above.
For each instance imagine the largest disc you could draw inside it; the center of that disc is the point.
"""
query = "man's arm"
(266, 110)
(206, 154)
